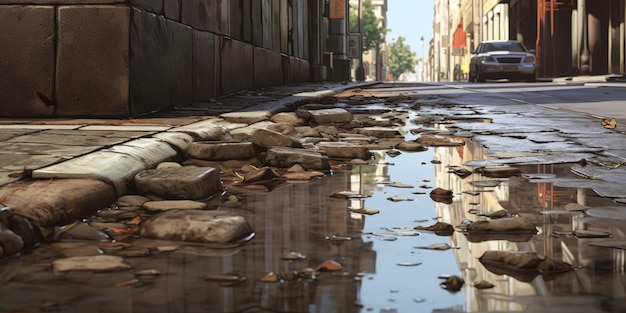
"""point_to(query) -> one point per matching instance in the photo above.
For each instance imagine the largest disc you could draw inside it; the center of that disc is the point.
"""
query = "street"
(357, 237)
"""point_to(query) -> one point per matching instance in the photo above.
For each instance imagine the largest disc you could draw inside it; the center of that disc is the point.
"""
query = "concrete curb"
(299, 99)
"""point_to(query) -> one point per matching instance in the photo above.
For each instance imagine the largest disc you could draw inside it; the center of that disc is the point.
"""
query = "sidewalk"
(609, 80)
(113, 151)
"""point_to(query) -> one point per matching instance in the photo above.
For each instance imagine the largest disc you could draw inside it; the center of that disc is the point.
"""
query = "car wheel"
(530, 78)
(470, 76)
(480, 78)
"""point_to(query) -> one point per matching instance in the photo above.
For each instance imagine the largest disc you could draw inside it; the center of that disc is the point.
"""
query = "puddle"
(383, 264)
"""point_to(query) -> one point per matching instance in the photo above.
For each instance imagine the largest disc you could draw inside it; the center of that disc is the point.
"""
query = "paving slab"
(9, 133)
(131, 128)
(38, 126)
(49, 149)
(69, 139)
(20, 162)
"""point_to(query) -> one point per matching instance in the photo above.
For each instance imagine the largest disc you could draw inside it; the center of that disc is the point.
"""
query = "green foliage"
(373, 33)
(401, 58)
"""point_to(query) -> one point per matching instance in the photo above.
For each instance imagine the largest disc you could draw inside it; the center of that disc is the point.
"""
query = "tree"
(373, 33)
(401, 58)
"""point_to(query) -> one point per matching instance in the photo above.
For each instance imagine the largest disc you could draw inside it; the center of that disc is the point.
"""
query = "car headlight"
(487, 59)
(529, 59)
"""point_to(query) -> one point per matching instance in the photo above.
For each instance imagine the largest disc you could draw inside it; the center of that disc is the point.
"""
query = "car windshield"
(504, 46)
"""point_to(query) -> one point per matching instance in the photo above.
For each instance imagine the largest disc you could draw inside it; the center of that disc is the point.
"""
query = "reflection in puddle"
(383, 266)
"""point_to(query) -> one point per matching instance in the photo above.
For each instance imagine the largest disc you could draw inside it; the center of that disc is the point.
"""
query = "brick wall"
(107, 58)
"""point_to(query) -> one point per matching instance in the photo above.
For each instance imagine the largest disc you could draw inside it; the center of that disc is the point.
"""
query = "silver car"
(498, 59)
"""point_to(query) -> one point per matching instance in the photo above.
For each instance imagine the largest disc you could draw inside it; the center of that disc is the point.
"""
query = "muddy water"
(383, 270)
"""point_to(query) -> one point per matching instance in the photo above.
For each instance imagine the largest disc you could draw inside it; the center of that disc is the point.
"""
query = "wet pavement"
(382, 264)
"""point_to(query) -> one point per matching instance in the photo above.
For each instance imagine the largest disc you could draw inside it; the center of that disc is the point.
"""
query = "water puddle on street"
(377, 262)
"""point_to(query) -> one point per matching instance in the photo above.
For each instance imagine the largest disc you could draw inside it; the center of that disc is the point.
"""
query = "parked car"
(498, 59)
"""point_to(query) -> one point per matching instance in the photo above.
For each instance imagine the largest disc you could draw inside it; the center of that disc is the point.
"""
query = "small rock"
(330, 265)
(436, 246)
(439, 228)
(342, 150)
(169, 165)
(131, 200)
(261, 174)
(347, 195)
(148, 272)
(80, 231)
(283, 157)
(483, 285)
(453, 283)
(166, 205)
(266, 139)
(366, 211)
(292, 256)
(506, 225)
(95, 263)
(221, 151)
(287, 117)
(10, 243)
(410, 146)
(196, 226)
(399, 198)
(183, 183)
(495, 214)
(584, 233)
(296, 168)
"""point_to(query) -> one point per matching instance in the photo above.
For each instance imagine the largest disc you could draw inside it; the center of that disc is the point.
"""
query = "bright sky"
(411, 19)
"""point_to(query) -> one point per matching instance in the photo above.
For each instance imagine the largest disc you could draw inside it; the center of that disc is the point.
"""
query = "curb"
(299, 99)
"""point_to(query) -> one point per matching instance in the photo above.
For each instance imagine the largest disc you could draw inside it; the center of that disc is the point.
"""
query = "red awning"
(458, 39)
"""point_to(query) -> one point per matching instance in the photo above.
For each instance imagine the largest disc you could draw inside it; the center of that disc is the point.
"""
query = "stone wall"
(113, 58)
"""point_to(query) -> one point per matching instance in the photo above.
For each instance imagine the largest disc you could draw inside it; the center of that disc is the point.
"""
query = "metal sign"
(337, 9)
(354, 46)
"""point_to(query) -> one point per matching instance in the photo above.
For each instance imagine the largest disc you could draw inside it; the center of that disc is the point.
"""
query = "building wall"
(122, 58)
(570, 37)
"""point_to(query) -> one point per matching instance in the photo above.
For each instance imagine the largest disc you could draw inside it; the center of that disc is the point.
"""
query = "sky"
(410, 19)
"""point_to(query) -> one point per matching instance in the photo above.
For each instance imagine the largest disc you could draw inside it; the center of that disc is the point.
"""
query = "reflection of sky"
(407, 288)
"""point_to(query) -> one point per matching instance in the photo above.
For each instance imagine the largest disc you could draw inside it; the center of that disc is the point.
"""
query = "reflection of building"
(602, 267)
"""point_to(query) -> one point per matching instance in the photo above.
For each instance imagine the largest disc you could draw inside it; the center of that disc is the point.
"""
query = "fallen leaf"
(366, 211)
(609, 124)
(330, 265)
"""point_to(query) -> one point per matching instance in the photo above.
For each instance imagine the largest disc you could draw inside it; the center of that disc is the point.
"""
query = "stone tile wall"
(115, 58)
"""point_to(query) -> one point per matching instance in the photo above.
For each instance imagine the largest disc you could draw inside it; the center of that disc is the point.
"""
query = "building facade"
(570, 37)
(127, 58)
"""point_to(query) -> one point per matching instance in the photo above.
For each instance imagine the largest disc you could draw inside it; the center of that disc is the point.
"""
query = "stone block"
(154, 6)
(92, 61)
(205, 57)
(283, 157)
(58, 202)
(190, 182)
(202, 14)
(330, 116)
(267, 68)
(171, 9)
(237, 66)
(197, 226)
(343, 150)
(294, 70)
(220, 151)
(62, 2)
(236, 21)
(27, 35)
(379, 132)
(159, 80)
(267, 138)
